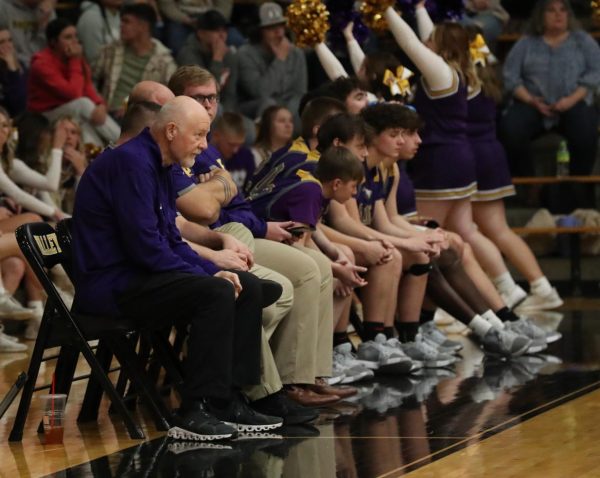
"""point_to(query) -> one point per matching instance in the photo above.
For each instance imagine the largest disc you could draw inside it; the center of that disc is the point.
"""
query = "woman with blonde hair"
(444, 172)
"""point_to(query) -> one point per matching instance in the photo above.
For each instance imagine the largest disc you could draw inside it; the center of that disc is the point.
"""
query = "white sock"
(35, 304)
(540, 286)
(479, 325)
(504, 283)
(493, 319)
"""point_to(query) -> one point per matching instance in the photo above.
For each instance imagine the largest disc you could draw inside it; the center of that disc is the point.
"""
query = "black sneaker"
(195, 423)
(279, 405)
(239, 415)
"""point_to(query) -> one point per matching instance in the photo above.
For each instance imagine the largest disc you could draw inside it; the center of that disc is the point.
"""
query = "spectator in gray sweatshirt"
(272, 70)
(27, 20)
(98, 25)
(207, 48)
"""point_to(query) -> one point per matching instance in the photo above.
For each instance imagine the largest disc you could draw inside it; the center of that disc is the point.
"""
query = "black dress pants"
(224, 335)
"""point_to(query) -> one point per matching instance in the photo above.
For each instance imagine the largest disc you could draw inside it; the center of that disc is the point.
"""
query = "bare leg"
(460, 220)
(477, 275)
(379, 295)
(13, 270)
(490, 216)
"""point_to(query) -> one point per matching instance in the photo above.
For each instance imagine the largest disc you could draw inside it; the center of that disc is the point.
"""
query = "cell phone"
(298, 231)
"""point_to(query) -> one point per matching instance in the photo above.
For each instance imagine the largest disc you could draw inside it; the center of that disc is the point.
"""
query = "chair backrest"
(63, 231)
(40, 246)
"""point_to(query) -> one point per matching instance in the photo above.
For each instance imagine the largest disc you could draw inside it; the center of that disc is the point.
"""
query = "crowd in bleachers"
(315, 189)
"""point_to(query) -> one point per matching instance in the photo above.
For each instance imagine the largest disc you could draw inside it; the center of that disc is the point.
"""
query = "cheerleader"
(494, 182)
(445, 174)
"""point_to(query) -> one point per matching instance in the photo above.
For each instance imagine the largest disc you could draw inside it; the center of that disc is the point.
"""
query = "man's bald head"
(180, 129)
(150, 92)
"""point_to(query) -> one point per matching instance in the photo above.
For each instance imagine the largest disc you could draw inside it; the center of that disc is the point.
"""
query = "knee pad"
(420, 269)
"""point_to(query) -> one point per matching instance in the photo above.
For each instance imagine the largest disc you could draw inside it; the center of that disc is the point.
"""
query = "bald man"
(130, 260)
(150, 92)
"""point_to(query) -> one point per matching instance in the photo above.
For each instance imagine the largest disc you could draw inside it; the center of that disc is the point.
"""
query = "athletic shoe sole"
(545, 306)
(552, 337)
(182, 434)
(335, 380)
(244, 428)
(438, 363)
(358, 377)
(179, 447)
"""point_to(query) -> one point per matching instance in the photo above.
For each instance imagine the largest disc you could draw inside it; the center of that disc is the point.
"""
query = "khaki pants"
(271, 318)
(302, 344)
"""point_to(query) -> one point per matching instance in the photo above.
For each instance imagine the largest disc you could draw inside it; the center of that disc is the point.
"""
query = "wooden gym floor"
(531, 417)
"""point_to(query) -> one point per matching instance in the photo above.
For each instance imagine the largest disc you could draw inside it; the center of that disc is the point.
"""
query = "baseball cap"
(270, 14)
(211, 20)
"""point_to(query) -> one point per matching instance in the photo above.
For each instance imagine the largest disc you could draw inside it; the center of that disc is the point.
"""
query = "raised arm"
(424, 24)
(437, 73)
(332, 66)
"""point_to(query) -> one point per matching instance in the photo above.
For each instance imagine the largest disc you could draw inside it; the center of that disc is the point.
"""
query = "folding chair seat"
(72, 331)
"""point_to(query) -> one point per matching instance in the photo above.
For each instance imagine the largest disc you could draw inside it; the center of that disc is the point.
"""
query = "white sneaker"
(33, 327)
(421, 351)
(7, 345)
(348, 365)
(438, 339)
(442, 317)
(380, 356)
(11, 308)
(457, 327)
(551, 300)
(514, 297)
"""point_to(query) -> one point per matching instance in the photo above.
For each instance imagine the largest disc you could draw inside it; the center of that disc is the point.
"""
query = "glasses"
(212, 99)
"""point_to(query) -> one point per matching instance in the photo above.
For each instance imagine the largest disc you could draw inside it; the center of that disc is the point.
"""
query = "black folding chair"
(71, 331)
(164, 356)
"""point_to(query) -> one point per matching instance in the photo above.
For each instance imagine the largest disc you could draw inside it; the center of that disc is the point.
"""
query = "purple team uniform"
(368, 193)
(493, 175)
(405, 195)
(284, 188)
(238, 209)
(283, 161)
(444, 167)
(241, 166)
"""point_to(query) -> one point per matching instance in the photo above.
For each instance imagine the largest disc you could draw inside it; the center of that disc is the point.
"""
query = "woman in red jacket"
(60, 84)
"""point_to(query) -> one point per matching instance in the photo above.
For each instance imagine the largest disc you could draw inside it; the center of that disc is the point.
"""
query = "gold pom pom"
(372, 12)
(308, 19)
(596, 12)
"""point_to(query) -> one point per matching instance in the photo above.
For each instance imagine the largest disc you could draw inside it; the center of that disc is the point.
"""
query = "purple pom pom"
(341, 12)
(440, 10)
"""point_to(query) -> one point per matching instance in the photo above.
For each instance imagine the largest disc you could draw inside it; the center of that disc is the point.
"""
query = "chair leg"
(16, 433)
(128, 360)
(93, 392)
(123, 380)
(168, 359)
(134, 430)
